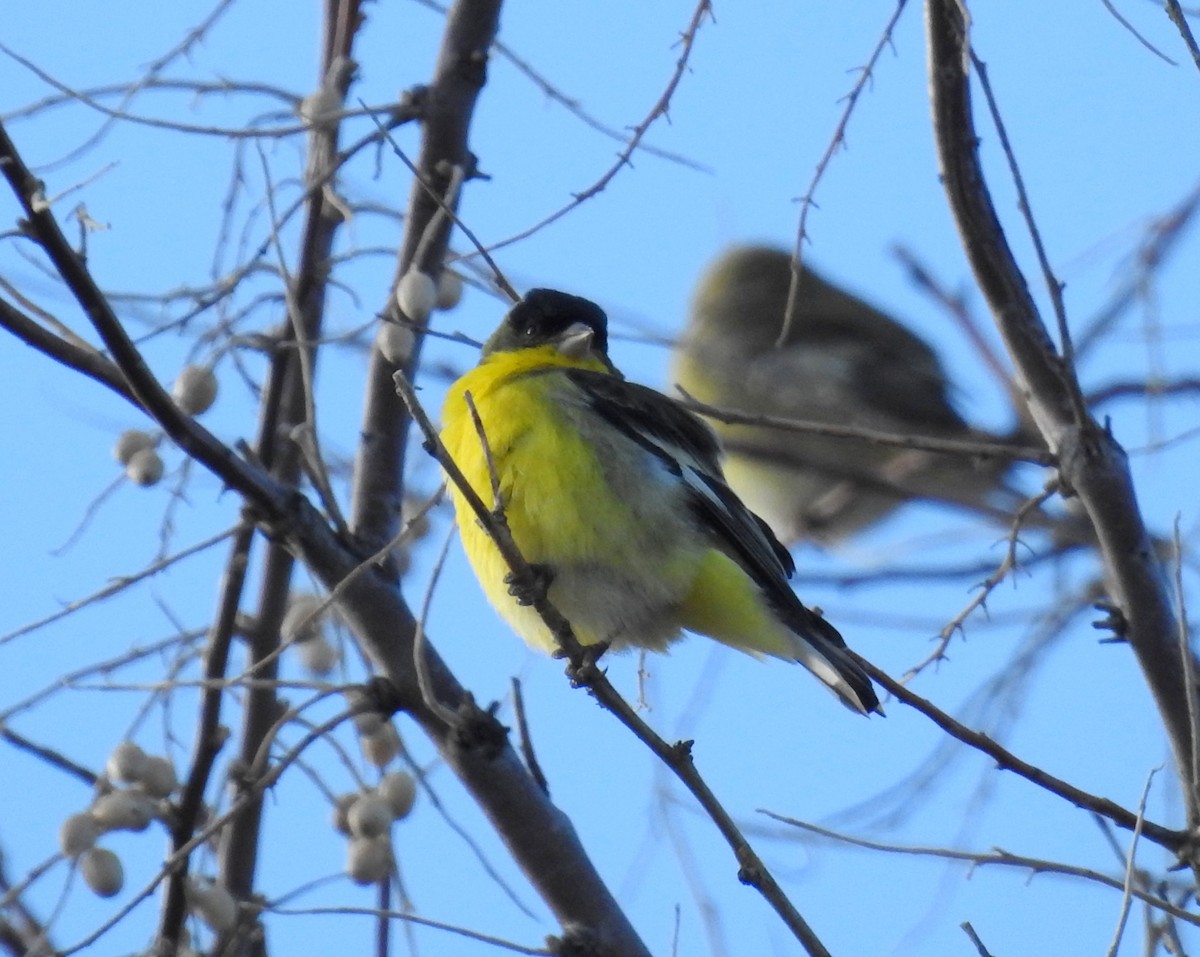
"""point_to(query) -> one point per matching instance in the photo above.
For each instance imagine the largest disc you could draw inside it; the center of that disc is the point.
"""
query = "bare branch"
(583, 671)
(985, 450)
(866, 74)
(1130, 868)
(1091, 462)
(1175, 12)
(1176, 841)
(450, 100)
(661, 106)
(998, 856)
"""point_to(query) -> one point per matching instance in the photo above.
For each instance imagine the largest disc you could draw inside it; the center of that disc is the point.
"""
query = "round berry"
(369, 859)
(416, 295)
(131, 441)
(102, 871)
(144, 468)
(195, 389)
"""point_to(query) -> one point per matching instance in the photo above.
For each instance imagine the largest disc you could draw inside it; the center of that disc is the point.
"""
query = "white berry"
(369, 816)
(126, 763)
(144, 468)
(395, 341)
(195, 389)
(212, 903)
(400, 791)
(449, 289)
(318, 656)
(320, 106)
(416, 295)
(131, 441)
(381, 746)
(304, 619)
(341, 811)
(415, 516)
(124, 810)
(158, 776)
(77, 834)
(102, 871)
(369, 859)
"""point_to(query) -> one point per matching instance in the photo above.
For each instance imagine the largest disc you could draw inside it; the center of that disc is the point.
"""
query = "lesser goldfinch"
(843, 362)
(615, 491)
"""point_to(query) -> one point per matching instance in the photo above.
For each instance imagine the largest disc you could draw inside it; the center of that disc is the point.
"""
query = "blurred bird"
(843, 363)
(614, 492)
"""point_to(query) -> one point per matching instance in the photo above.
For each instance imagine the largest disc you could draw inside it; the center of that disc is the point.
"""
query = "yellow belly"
(564, 513)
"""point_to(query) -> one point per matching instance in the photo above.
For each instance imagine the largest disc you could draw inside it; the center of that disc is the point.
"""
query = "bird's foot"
(582, 673)
(528, 589)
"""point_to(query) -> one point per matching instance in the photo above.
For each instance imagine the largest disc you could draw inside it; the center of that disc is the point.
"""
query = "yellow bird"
(842, 362)
(616, 493)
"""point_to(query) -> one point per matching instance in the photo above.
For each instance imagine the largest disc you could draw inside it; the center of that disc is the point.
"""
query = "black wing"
(690, 449)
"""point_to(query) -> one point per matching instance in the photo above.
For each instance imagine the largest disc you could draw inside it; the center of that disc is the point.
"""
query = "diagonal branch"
(584, 673)
(1175, 841)
(144, 388)
(1091, 462)
(540, 837)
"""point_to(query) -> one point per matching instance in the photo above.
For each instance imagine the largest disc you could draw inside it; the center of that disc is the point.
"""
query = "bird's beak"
(576, 340)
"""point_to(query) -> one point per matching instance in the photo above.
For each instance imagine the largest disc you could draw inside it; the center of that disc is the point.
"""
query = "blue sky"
(1107, 136)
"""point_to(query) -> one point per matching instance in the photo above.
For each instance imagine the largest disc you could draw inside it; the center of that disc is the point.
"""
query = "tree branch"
(1091, 462)
(541, 838)
(449, 105)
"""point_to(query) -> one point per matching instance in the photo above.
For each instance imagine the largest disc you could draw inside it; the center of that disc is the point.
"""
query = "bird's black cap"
(543, 315)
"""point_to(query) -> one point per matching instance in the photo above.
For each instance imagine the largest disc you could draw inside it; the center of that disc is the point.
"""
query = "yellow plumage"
(560, 511)
(615, 491)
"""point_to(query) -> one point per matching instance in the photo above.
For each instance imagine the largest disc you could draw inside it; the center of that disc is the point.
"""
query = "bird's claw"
(527, 590)
(581, 674)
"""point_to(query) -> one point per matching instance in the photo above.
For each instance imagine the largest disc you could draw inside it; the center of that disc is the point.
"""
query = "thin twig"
(1116, 14)
(974, 938)
(660, 109)
(49, 755)
(986, 587)
(572, 106)
(986, 450)
(377, 913)
(1053, 285)
(1175, 12)
(1163, 237)
(954, 304)
(996, 856)
(304, 353)
(1176, 841)
(420, 665)
(118, 584)
(526, 739)
(1131, 867)
(584, 672)
(445, 209)
(807, 202)
(489, 460)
